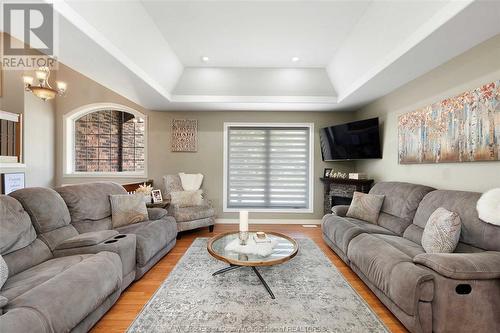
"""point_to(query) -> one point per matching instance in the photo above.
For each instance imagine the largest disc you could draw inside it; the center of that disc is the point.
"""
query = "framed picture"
(156, 194)
(12, 181)
(184, 135)
(462, 128)
(327, 173)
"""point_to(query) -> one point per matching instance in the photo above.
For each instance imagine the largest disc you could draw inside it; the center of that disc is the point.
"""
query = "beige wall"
(477, 66)
(209, 158)
(38, 127)
(39, 141)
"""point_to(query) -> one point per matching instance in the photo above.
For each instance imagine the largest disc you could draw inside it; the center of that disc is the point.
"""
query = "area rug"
(311, 296)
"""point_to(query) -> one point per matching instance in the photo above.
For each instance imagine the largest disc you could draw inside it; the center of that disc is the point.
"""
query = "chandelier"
(43, 89)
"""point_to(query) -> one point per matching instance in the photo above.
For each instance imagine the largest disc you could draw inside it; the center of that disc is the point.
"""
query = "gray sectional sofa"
(454, 292)
(67, 266)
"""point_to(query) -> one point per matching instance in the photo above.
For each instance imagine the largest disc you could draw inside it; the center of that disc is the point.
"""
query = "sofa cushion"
(406, 246)
(22, 282)
(95, 225)
(15, 224)
(442, 231)
(151, 237)
(70, 292)
(45, 207)
(156, 213)
(365, 207)
(29, 256)
(4, 272)
(186, 198)
(172, 183)
(341, 230)
(392, 271)
(191, 181)
(400, 203)
(474, 231)
(23, 320)
(127, 209)
(182, 214)
(90, 201)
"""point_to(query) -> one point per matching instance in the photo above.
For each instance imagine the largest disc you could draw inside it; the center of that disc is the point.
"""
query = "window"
(268, 167)
(106, 141)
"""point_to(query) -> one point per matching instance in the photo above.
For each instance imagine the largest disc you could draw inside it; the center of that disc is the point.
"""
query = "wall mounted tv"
(352, 141)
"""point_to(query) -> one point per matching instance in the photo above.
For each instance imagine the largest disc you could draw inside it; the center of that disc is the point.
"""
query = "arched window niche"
(105, 139)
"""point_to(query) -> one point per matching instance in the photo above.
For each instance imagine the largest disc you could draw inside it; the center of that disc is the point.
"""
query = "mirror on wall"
(10, 137)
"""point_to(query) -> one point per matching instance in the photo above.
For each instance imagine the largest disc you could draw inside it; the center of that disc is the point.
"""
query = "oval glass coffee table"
(286, 248)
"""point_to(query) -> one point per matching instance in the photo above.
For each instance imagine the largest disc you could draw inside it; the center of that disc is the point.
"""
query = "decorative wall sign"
(464, 128)
(185, 135)
(12, 182)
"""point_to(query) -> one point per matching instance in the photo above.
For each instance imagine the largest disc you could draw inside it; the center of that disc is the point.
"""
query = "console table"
(339, 191)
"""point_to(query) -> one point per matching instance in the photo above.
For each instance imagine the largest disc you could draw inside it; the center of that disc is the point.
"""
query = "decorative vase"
(243, 227)
(147, 198)
(243, 235)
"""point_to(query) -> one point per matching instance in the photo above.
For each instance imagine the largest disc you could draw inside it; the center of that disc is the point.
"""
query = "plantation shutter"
(268, 167)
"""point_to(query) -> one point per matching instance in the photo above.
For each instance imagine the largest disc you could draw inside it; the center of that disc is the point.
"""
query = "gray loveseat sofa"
(456, 292)
(67, 266)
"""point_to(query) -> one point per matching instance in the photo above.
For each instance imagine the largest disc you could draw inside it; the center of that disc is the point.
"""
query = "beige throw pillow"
(127, 209)
(442, 232)
(365, 207)
(186, 198)
(4, 271)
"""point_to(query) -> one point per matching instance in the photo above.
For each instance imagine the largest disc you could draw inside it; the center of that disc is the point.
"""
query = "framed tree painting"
(463, 128)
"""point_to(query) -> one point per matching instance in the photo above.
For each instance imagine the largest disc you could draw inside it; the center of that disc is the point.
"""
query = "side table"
(162, 204)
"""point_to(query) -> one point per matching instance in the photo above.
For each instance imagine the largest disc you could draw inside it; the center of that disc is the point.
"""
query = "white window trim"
(310, 208)
(69, 138)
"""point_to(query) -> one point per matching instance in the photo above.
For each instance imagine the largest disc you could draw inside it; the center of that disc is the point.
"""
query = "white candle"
(243, 220)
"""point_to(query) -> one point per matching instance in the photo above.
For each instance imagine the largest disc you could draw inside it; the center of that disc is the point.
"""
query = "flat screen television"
(352, 141)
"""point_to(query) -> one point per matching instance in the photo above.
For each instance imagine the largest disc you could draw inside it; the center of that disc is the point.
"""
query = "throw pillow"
(442, 232)
(191, 182)
(186, 198)
(127, 209)
(488, 206)
(366, 207)
(4, 271)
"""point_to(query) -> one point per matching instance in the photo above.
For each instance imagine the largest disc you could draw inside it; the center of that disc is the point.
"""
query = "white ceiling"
(256, 33)
(351, 52)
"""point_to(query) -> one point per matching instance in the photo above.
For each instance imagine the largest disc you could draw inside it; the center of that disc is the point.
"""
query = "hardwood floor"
(130, 303)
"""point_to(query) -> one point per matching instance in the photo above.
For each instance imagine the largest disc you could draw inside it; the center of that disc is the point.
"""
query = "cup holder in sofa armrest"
(463, 289)
(120, 236)
(111, 241)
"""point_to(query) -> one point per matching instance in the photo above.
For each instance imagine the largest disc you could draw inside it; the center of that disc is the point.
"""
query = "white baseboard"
(270, 221)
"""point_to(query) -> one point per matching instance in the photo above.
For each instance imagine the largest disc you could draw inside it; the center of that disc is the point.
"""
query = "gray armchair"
(188, 218)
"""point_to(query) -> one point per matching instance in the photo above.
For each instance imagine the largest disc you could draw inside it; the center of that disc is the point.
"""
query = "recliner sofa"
(47, 294)
(90, 211)
(455, 292)
(67, 266)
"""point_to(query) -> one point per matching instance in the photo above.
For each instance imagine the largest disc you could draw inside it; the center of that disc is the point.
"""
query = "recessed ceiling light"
(295, 59)
(205, 59)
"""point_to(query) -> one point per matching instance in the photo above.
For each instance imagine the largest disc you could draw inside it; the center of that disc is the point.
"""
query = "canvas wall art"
(184, 135)
(464, 128)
